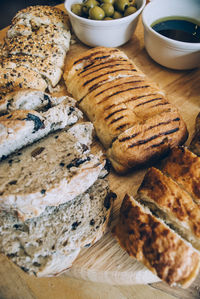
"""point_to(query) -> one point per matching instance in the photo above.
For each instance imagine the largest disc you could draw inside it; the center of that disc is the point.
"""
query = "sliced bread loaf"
(153, 243)
(48, 173)
(47, 245)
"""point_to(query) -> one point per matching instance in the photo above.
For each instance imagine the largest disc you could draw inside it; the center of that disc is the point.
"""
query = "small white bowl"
(112, 33)
(168, 52)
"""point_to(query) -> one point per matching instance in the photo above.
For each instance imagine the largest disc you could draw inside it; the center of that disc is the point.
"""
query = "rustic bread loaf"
(22, 127)
(39, 15)
(48, 244)
(167, 200)
(67, 166)
(132, 117)
(152, 242)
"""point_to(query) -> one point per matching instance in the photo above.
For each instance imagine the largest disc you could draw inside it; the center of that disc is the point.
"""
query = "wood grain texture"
(106, 263)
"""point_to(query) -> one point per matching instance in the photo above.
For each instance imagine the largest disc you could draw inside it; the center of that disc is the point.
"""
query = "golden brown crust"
(195, 142)
(150, 241)
(166, 197)
(184, 167)
(147, 140)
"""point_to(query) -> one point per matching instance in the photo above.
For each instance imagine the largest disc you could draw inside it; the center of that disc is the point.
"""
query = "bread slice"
(167, 200)
(152, 242)
(21, 78)
(36, 46)
(44, 67)
(22, 127)
(39, 15)
(30, 99)
(184, 167)
(50, 172)
(195, 142)
(147, 141)
(48, 244)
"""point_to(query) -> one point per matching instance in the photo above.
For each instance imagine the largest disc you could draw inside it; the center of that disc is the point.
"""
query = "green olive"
(132, 3)
(76, 9)
(117, 15)
(108, 9)
(96, 13)
(121, 5)
(129, 11)
(108, 18)
(108, 1)
(89, 4)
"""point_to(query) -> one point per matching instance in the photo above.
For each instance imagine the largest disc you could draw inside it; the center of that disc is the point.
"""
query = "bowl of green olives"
(108, 23)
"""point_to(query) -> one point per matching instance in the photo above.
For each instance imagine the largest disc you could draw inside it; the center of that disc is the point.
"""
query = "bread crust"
(184, 167)
(148, 140)
(152, 242)
(168, 200)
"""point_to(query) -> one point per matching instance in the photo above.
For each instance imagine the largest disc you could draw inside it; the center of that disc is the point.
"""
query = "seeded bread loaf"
(132, 117)
(22, 127)
(67, 166)
(36, 245)
(151, 241)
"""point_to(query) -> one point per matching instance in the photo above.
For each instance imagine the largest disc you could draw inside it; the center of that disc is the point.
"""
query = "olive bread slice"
(21, 127)
(47, 245)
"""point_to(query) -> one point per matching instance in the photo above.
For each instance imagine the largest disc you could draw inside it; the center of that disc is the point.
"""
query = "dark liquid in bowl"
(178, 29)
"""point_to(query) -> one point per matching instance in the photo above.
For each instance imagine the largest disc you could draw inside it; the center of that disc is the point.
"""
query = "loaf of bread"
(152, 242)
(22, 127)
(34, 50)
(161, 226)
(132, 118)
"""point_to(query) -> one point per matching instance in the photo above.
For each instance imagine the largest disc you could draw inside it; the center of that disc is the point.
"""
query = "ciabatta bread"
(151, 241)
(132, 117)
(67, 166)
(22, 127)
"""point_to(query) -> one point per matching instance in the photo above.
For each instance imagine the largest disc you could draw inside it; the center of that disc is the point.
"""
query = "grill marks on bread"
(117, 97)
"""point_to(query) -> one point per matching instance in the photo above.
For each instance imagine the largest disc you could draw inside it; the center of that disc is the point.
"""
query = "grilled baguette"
(132, 117)
(152, 242)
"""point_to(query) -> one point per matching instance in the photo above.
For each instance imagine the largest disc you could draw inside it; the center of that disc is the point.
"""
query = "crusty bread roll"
(152, 242)
(133, 119)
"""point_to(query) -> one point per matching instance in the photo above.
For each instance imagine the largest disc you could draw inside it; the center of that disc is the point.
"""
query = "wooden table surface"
(183, 89)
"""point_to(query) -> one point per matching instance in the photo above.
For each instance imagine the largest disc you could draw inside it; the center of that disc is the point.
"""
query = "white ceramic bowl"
(110, 33)
(168, 52)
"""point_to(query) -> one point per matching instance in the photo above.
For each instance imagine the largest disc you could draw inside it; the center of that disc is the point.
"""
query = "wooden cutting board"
(105, 261)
